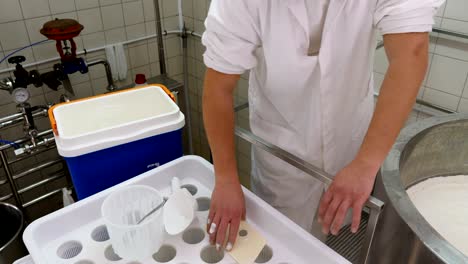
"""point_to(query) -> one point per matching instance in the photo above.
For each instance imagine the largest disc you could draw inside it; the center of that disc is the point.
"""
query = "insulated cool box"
(110, 138)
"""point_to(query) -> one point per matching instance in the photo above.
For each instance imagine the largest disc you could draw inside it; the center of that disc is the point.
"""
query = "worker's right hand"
(227, 209)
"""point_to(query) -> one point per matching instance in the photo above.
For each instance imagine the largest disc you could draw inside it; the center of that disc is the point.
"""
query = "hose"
(11, 143)
(23, 48)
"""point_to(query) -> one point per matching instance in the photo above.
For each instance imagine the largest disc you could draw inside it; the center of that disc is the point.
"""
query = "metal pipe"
(110, 80)
(11, 181)
(241, 107)
(23, 157)
(186, 89)
(39, 183)
(20, 141)
(450, 33)
(45, 196)
(37, 168)
(11, 117)
(374, 204)
(17, 118)
(83, 52)
(195, 34)
(159, 33)
(296, 162)
(6, 197)
(172, 32)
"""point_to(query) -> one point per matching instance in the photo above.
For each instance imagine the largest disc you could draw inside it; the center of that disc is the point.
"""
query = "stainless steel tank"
(433, 147)
(11, 228)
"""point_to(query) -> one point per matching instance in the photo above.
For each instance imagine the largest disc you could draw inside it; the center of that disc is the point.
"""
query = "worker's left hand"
(350, 189)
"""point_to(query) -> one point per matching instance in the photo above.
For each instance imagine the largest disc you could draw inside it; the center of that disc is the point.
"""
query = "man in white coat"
(310, 93)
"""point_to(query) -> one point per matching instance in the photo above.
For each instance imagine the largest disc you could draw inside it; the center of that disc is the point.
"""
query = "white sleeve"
(404, 16)
(231, 36)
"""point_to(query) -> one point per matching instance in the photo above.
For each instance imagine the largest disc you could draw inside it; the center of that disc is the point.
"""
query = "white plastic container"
(78, 231)
(24, 260)
(121, 212)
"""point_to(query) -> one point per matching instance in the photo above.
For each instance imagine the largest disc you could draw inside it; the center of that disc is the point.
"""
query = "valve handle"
(16, 59)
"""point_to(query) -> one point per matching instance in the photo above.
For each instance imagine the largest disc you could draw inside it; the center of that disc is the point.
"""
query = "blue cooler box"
(110, 138)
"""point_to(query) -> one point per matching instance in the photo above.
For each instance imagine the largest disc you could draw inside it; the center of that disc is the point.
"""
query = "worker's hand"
(227, 210)
(350, 189)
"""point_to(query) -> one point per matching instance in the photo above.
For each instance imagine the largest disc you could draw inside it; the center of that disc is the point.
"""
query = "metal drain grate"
(348, 244)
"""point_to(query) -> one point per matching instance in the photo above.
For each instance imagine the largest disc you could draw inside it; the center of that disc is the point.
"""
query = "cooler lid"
(104, 121)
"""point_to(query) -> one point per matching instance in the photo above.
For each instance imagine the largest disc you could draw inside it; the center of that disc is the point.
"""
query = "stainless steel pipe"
(436, 146)
(110, 79)
(159, 36)
(18, 118)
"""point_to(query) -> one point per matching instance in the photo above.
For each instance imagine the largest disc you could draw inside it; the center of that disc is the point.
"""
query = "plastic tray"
(25, 260)
(77, 231)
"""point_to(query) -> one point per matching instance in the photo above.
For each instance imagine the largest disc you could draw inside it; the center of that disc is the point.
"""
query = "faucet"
(110, 80)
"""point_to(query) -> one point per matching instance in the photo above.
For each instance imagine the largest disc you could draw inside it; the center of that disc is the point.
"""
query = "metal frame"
(11, 178)
(374, 205)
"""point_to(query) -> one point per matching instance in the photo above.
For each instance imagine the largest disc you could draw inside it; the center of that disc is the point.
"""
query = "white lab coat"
(317, 108)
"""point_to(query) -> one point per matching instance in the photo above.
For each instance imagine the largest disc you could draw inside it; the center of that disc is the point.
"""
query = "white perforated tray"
(76, 235)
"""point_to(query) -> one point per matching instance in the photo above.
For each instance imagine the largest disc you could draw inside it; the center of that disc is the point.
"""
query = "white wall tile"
(455, 25)
(463, 107)
(112, 16)
(10, 11)
(171, 23)
(91, 20)
(142, 70)
(155, 69)
(45, 51)
(34, 25)
(13, 35)
(78, 78)
(465, 92)
(27, 53)
(62, 6)
(380, 61)
(200, 9)
(441, 99)
(199, 26)
(86, 4)
(448, 75)
(441, 10)
(83, 90)
(148, 6)
(99, 85)
(109, 2)
(35, 8)
(174, 65)
(136, 31)
(115, 35)
(173, 47)
(169, 8)
(452, 47)
(70, 15)
(150, 28)
(153, 51)
(378, 80)
(457, 9)
(139, 56)
(94, 40)
(187, 8)
(133, 13)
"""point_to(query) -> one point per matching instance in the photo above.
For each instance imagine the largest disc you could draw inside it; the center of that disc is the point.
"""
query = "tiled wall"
(106, 22)
(446, 83)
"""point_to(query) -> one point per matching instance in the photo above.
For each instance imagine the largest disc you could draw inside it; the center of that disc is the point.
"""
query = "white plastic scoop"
(179, 209)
